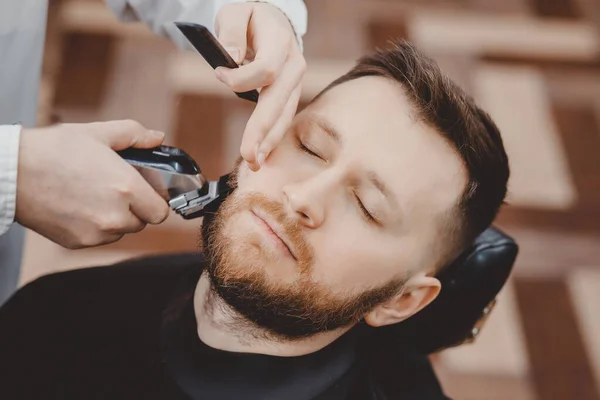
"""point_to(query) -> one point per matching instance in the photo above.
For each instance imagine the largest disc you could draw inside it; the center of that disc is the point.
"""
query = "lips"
(277, 231)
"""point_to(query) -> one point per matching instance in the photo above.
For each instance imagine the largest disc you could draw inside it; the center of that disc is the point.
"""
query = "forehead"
(379, 132)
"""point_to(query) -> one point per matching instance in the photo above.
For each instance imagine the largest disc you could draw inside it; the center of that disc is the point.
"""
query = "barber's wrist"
(297, 31)
(24, 167)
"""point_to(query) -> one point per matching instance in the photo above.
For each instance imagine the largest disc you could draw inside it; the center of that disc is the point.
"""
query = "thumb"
(120, 135)
(231, 27)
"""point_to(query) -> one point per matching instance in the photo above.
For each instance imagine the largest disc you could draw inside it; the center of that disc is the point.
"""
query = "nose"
(308, 199)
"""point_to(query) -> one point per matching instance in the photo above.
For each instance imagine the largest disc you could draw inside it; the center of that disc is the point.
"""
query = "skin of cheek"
(349, 255)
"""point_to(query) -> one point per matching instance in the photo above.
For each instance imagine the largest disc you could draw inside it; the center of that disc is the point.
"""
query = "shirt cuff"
(122, 10)
(9, 161)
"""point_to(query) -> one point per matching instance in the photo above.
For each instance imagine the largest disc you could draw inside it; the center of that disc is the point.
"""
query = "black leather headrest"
(469, 289)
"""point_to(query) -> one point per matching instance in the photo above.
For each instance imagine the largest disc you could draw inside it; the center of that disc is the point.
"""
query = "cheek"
(353, 261)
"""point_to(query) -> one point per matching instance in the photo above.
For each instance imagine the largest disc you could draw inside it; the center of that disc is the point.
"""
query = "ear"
(419, 291)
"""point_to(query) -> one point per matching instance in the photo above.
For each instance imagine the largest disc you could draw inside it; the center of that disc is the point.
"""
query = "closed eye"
(305, 149)
(365, 212)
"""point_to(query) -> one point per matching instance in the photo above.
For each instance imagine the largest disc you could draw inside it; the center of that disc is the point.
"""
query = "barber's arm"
(268, 33)
(67, 183)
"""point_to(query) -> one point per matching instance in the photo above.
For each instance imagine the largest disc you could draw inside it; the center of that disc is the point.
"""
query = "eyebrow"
(381, 186)
(371, 175)
(327, 128)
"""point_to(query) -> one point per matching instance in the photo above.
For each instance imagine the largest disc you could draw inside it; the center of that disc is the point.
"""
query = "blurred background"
(533, 64)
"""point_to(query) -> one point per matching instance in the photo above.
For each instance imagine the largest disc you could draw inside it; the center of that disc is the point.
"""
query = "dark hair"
(441, 104)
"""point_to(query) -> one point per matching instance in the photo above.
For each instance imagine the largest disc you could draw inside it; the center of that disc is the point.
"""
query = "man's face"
(340, 214)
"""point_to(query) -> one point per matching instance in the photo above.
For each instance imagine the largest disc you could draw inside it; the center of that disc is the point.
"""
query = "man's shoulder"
(90, 329)
(143, 269)
(99, 288)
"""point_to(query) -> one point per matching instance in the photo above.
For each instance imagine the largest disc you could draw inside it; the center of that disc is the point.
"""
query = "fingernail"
(157, 134)
(260, 157)
(234, 52)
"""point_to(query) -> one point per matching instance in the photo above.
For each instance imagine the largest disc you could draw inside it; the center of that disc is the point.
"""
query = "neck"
(221, 327)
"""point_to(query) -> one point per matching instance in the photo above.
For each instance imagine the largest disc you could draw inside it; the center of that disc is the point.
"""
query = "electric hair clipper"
(176, 177)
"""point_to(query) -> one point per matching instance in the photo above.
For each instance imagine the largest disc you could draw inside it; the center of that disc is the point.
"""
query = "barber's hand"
(261, 33)
(74, 189)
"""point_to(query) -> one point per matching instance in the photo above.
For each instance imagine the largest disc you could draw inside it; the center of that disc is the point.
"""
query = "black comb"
(212, 51)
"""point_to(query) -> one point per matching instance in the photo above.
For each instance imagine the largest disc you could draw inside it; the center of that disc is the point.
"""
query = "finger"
(120, 135)
(111, 238)
(263, 71)
(270, 105)
(105, 238)
(146, 204)
(231, 26)
(276, 134)
(130, 224)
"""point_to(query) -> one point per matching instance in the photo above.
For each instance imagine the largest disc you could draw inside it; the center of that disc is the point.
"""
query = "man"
(379, 183)
(56, 193)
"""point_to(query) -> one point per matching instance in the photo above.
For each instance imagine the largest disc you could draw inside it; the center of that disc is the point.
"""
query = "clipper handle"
(169, 170)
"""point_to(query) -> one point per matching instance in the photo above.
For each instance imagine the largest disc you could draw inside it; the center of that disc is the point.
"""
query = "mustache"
(291, 228)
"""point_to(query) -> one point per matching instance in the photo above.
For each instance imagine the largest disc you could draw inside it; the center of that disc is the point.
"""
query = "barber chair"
(398, 354)
(470, 285)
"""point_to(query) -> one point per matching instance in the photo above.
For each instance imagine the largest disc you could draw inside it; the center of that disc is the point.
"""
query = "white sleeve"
(160, 15)
(9, 159)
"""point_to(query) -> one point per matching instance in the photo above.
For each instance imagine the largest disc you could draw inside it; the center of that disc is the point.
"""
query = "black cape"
(128, 331)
